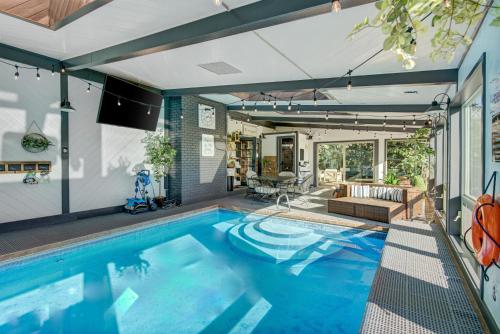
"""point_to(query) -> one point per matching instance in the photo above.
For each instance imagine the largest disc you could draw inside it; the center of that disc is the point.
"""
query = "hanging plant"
(402, 21)
(35, 142)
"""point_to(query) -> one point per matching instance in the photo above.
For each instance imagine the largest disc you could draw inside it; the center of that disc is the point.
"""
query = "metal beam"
(404, 108)
(258, 15)
(437, 77)
(348, 128)
(304, 121)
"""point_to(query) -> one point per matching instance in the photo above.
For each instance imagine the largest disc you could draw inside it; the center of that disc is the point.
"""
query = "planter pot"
(161, 201)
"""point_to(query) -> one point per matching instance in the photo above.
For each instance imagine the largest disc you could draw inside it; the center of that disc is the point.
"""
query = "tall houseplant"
(160, 154)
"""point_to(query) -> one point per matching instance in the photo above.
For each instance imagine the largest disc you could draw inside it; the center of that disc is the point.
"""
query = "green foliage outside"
(159, 153)
(359, 161)
(410, 158)
(330, 156)
(404, 21)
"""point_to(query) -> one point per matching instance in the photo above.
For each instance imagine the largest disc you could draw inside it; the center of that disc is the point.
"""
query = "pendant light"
(66, 106)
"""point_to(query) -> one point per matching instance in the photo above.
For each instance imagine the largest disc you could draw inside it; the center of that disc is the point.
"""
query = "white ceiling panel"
(179, 67)
(114, 23)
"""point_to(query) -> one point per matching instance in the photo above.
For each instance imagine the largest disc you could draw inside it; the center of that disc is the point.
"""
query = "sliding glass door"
(340, 162)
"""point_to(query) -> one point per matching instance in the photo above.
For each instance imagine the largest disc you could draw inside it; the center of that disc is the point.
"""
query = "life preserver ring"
(487, 213)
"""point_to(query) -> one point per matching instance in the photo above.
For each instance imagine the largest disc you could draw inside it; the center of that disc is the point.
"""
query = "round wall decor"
(35, 142)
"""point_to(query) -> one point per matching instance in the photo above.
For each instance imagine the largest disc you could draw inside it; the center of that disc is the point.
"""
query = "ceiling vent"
(220, 68)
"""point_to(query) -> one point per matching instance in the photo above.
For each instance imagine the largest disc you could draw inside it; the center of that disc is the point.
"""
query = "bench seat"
(368, 208)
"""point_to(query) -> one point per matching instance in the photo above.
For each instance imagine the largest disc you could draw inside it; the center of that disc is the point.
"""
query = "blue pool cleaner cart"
(141, 201)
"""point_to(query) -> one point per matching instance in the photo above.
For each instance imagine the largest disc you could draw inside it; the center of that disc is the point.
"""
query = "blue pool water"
(215, 272)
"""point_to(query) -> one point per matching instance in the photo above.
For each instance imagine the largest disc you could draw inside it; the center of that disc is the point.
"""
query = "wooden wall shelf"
(18, 167)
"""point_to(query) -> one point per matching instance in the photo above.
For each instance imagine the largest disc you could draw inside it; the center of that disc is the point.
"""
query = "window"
(473, 145)
(339, 162)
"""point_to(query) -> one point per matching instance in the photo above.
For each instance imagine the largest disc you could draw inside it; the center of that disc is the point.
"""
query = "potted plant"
(160, 154)
(35, 143)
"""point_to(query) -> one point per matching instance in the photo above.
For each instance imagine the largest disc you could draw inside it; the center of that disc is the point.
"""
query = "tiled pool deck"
(417, 288)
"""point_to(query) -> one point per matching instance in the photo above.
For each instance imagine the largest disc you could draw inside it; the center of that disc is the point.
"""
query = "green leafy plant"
(391, 179)
(159, 153)
(35, 143)
(403, 21)
(415, 154)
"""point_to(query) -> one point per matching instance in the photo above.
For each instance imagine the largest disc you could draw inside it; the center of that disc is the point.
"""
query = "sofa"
(377, 202)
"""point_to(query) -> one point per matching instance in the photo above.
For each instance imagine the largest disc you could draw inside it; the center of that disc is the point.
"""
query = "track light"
(16, 75)
(336, 6)
(315, 99)
(356, 121)
(37, 74)
(243, 104)
(414, 121)
(88, 88)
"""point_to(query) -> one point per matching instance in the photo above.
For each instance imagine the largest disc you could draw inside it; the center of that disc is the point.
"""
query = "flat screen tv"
(125, 104)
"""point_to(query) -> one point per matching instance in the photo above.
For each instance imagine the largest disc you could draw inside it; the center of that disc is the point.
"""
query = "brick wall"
(195, 178)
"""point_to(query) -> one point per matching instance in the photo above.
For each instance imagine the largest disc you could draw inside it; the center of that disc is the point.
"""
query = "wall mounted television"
(118, 106)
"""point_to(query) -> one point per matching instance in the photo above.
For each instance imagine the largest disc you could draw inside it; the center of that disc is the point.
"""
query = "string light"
(336, 6)
(385, 121)
(255, 108)
(413, 44)
(88, 88)
(315, 99)
(349, 83)
(404, 126)
(326, 116)
(290, 104)
(53, 72)
(118, 102)
(182, 116)
(37, 74)
(16, 75)
(63, 69)
(356, 121)
(298, 109)
(149, 110)
(274, 105)
(414, 121)
(243, 104)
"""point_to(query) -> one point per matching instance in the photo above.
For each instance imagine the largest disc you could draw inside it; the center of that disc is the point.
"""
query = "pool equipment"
(141, 201)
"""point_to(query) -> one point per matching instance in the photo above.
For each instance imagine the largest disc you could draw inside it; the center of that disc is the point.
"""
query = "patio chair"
(250, 176)
(291, 185)
(263, 188)
(302, 187)
(284, 188)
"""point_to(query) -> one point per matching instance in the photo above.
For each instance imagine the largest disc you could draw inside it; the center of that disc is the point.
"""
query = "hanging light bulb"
(385, 121)
(218, 2)
(63, 69)
(413, 44)
(414, 121)
(326, 116)
(298, 109)
(37, 74)
(16, 75)
(119, 103)
(255, 108)
(274, 105)
(243, 104)
(149, 110)
(88, 88)
(404, 126)
(356, 121)
(290, 104)
(53, 72)
(336, 6)
(315, 99)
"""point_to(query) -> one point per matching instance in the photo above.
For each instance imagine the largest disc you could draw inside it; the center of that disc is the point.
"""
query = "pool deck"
(417, 288)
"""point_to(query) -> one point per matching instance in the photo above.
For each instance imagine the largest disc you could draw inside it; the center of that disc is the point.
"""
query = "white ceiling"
(116, 22)
(315, 47)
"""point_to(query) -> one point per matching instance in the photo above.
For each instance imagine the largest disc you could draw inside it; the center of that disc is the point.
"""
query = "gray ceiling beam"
(340, 127)
(258, 15)
(403, 108)
(305, 121)
(435, 77)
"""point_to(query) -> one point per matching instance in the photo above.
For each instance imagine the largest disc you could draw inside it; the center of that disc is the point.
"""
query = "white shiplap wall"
(21, 102)
(103, 158)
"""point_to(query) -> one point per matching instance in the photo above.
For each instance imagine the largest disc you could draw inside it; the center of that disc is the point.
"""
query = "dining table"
(276, 182)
